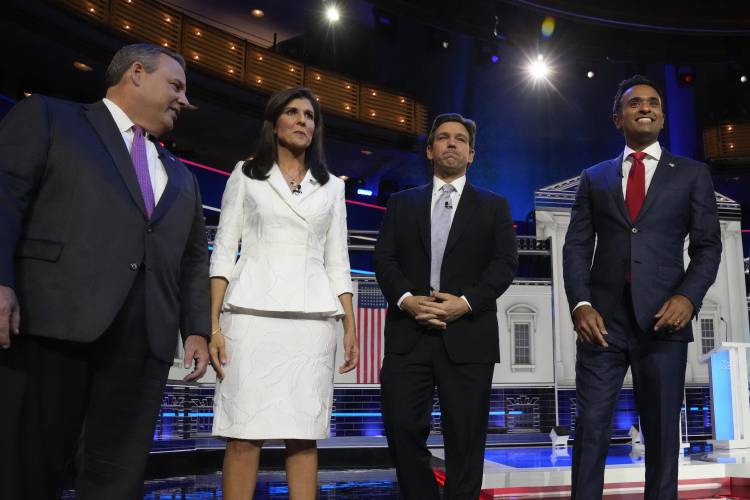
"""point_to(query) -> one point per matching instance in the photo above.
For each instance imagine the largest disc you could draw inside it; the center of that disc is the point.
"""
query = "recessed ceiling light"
(257, 13)
(82, 66)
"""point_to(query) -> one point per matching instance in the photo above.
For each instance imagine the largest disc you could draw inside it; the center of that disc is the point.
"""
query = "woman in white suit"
(274, 310)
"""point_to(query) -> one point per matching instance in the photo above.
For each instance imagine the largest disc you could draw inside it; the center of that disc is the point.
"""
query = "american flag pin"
(670, 164)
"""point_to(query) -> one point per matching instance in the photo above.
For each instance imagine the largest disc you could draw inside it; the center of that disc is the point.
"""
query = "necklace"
(294, 182)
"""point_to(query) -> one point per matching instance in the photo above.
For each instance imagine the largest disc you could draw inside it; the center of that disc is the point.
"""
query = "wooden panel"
(336, 94)
(386, 108)
(421, 118)
(728, 140)
(147, 21)
(212, 49)
(269, 72)
(95, 10)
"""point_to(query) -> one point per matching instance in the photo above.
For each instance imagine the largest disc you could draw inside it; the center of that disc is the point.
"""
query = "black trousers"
(658, 369)
(96, 401)
(407, 385)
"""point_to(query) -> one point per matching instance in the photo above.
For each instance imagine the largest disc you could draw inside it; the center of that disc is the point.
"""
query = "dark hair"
(630, 83)
(470, 126)
(260, 163)
(144, 53)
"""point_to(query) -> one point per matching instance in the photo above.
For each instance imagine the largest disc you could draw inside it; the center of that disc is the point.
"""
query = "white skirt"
(278, 380)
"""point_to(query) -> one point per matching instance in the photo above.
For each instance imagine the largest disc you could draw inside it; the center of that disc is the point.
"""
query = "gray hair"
(144, 53)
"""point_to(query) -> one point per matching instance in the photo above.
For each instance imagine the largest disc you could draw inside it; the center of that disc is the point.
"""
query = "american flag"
(371, 307)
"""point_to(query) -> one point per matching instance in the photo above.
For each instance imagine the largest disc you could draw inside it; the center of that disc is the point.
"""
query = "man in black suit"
(442, 275)
(632, 307)
(103, 258)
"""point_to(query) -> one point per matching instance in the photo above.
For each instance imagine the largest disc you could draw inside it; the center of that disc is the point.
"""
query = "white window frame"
(522, 314)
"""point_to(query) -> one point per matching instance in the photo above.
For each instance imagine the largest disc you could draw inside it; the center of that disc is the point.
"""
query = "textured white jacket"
(294, 256)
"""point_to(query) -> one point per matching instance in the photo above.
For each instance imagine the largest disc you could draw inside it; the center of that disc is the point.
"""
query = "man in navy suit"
(446, 251)
(103, 258)
(632, 306)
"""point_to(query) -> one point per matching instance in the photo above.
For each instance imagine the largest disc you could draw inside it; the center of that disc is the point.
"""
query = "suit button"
(133, 266)
(634, 230)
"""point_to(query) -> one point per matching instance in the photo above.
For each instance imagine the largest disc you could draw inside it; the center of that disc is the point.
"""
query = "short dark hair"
(260, 163)
(469, 124)
(144, 53)
(630, 83)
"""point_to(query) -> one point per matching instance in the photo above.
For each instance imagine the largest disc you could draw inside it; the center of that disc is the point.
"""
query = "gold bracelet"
(218, 330)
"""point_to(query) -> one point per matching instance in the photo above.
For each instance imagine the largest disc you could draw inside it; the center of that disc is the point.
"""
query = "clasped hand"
(435, 311)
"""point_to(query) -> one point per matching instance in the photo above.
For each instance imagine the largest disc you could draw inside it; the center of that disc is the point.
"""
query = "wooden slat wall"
(95, 10)
(213, 49)
(269, 72)
(728, 140)
(385, 108)
(336, 94)
(236, 60)
(147, 21)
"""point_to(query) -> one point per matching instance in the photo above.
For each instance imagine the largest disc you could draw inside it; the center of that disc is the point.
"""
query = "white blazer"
(294, 256)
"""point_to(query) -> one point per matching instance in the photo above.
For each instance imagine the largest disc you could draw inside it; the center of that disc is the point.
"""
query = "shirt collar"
(653, 151)
(124, 124)
(458, 184)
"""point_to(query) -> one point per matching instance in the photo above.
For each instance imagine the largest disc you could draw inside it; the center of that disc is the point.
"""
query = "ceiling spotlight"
(538, 69)
(257, 13)
(82, 66)
(332, 14)
(445, 44)
(743, 79)
(590, 75)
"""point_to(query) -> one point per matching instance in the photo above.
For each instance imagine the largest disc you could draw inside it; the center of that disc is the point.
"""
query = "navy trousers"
(658, 369)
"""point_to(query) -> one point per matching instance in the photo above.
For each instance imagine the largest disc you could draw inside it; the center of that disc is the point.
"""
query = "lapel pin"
(670, 164)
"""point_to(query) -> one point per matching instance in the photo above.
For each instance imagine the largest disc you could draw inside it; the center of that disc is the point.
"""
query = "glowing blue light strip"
(335, 414)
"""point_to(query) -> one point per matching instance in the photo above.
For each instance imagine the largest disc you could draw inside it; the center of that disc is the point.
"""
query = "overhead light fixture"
(26, 94)
(538, 69)
(82, 66)
(257, 13)
(590, 75)
(332, 14)
(743, 79)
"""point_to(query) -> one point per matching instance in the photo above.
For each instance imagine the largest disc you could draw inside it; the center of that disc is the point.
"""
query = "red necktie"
(635, 192)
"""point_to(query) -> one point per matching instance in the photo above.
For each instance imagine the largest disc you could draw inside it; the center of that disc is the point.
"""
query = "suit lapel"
(278, 183)
(171, 166)
(105, 126)
(614, 182)
(662, 174)
(309, 186)
(467, 204)
(423, 201)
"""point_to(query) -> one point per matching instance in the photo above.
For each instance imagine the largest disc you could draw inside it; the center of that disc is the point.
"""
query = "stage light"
(686, 75)
(538, 69)
(548, 26)
(590, 75)
(332, 14)
(82, 66)
(257, 13)
(743, 79)
(364, 192)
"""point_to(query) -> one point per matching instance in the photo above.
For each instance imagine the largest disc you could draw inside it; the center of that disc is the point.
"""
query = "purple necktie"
(140, 162)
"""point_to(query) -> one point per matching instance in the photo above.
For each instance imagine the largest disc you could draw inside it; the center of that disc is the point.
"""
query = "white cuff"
(581, 303)
(407, 294)
(467, 302)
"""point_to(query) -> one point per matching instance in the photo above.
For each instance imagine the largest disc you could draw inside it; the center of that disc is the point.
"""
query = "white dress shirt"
(437, 185)
(156, 169)
(650, 161)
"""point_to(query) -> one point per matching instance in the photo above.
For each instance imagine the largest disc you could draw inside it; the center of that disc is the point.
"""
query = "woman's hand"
(351, 348)
(218, 352)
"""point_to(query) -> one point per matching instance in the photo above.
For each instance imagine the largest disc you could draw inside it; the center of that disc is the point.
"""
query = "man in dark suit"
(632, 307)
(442, 275)
(103, 258)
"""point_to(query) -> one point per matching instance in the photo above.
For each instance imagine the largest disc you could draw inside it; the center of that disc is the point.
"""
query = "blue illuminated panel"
(721, 387)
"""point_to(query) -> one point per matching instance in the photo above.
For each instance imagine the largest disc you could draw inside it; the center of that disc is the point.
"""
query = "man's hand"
(447, 308)
(10, 316)
(195, 349)
(416, 306)
(589, 326)
(674, 314)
